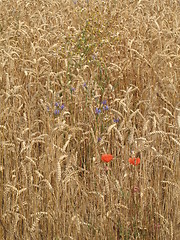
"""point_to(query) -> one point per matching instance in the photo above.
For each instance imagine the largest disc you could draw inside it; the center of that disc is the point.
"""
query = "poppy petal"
(134, 161)
(137, 161)
(106, 158)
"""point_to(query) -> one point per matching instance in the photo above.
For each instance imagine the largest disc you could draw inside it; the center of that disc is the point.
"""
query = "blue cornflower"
(62, 106)
(104, 102)
(99, 139)
(72, 89)
(56, 112)
(97, 111)
(85, 85)
(106, 107)
(116, 120)
(57, 104)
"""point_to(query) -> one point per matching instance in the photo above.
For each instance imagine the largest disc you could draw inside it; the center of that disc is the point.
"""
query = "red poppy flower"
(106, 158)
(134, 161)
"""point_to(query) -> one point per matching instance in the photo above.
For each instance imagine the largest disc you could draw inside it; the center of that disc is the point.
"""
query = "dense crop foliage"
(89, 119)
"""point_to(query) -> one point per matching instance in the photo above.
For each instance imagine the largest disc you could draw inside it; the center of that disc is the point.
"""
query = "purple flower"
(116, 120)
(106, 107)
(97, 111)
(104, 102)
(62, 106)
(57, 104)
(85, 85)
(99, 139)
(72, 89)
(56, 112)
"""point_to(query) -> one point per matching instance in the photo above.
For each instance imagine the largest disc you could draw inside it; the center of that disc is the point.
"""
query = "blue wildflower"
(106, 107)
(62, 106)
(72, 89)
(56, 112)
(97, 111)
(85, 85)
(104, 102)
(99, 139)
(116, 120)
(57, 104)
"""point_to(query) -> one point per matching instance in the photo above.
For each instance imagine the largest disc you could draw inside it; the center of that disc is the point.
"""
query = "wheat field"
(79, 79)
